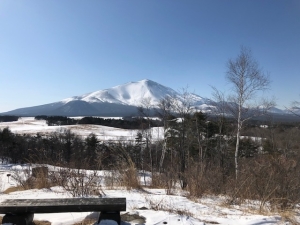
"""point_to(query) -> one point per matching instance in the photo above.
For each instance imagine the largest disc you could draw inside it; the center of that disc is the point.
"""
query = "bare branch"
(247, 80)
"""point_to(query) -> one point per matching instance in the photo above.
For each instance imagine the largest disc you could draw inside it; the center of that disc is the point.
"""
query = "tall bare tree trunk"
(237, 145)
(247, 80)
(163, 153)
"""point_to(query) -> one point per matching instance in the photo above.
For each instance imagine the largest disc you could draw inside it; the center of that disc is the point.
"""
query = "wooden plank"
(16, 206)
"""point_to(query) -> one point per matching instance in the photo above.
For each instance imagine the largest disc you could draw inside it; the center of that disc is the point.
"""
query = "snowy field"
(28, 125)
(153, 204)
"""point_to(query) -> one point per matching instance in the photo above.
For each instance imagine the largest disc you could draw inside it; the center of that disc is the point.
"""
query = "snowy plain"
(153, 204)
(28, 125)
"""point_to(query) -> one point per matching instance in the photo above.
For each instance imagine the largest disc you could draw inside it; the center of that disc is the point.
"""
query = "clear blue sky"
(51, 50)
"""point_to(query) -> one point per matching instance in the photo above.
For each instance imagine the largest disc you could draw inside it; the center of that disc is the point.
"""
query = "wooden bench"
(21, 211)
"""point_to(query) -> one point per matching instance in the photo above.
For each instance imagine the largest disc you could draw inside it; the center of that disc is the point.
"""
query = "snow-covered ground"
(28, 125)
(153, 204)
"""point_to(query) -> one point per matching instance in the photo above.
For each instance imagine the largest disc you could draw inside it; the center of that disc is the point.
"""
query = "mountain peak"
(150, 83)
(146, 82)
(131, 93)
(134, 94)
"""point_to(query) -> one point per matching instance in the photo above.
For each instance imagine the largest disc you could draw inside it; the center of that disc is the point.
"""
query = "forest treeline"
(195, 151)
(124, 123)
(8, 118)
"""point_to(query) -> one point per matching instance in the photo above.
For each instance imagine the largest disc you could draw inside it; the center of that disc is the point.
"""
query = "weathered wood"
(16, 206)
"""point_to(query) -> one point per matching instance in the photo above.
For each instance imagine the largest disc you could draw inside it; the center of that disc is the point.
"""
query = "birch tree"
(247, 81)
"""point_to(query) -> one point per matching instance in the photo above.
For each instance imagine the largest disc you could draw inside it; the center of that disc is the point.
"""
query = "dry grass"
(26, 181)
(86, 222)
(13, 189)
(289, 216)
(163, 205)
(130, 179)
(158, 180)
(38, 222)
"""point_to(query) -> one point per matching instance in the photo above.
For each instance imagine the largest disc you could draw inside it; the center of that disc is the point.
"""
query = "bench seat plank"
(15, 206)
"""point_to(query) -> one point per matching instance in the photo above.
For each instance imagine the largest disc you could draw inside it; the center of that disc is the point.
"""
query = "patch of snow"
(140, 93)
(170, 209)
(31, 126)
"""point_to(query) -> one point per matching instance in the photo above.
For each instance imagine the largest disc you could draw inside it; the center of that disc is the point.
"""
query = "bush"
(25, 180)
(274, 181)
(77, 182)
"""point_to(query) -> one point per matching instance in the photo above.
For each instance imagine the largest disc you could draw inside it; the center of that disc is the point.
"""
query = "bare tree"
(182, 107)
(164, 113)
(175, 112)
(247, 80)
(219, 110)
(295, 108)
(146, 134)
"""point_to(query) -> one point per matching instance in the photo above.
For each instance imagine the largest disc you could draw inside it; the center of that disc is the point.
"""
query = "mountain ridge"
(131, 93)
(120, 100)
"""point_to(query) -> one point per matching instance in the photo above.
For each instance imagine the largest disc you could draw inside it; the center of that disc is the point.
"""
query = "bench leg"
(110, 216)
(18, 219)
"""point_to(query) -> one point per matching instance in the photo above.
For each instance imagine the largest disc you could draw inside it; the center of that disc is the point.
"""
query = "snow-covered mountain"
(121, 100)
(293, 110)
(276, 110)
(133, 93)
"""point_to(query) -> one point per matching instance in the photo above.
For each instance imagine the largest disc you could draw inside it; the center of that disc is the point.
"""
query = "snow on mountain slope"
(293, 110)
(276, 110)
(121, 100)
(134, 93)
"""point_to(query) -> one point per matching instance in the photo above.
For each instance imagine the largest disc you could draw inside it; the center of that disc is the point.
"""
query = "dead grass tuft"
(27, 181)
(129, 178)
(162, 205)
(289, 216)
(13, 189)
(43, 222)
(86, 222)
